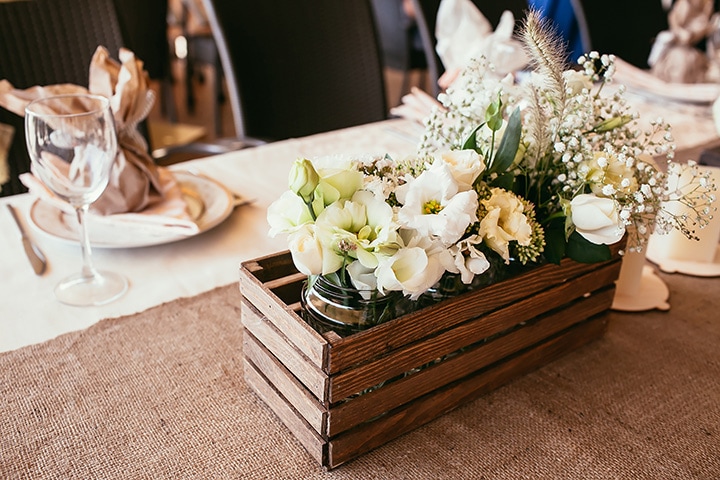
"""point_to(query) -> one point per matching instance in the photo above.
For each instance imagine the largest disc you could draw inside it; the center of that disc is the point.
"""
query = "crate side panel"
(360, 440)
(270, 267)
(302, 335)
(390, 396)
(305, 369)
(308, 438)
(410, 328)
(285, 382)
(401, 360)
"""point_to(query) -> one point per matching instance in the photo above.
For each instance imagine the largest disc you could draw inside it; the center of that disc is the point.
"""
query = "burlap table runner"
(161, 395)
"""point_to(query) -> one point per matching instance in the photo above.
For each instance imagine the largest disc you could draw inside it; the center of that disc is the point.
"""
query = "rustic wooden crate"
(467, 346)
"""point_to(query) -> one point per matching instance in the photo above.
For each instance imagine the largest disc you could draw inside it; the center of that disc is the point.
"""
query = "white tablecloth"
(29, 312)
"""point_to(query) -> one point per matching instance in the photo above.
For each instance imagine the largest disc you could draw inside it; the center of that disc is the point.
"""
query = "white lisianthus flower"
(339, 180)
(306, 250)
(467, 260)
(465, 166)
(433, 206)
(597, 219)
(359, 228)
(413, 269)
(363, 278)
(287, 213)
(504, 222)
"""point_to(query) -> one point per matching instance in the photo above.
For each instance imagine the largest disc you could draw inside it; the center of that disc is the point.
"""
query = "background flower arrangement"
(506, 172)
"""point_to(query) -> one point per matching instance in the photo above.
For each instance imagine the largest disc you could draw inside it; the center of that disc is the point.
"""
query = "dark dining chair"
(624, 28)
(295, 68)
(426, 13)
(45, 42)
(144, 30)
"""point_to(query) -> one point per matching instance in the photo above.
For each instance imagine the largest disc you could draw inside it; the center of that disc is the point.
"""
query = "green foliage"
(508, 144)
(583, 251)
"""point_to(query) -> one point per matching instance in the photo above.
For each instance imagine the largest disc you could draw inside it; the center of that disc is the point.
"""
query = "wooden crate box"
(342, 397)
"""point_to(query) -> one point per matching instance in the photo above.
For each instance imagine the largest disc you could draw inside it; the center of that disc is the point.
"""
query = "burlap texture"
(161, 395)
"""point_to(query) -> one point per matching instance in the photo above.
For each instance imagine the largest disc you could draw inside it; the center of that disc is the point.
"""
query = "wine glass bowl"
(72, 144)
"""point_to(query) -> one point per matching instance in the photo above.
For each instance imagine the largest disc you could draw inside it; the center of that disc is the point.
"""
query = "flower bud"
(303, 179)
(612, 123)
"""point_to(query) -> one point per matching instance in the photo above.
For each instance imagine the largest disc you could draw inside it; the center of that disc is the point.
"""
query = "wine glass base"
(99, 289)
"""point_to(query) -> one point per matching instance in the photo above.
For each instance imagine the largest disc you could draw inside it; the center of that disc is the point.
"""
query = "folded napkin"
(138, 189)
(463, 33)
(416, 105)
(167, 217)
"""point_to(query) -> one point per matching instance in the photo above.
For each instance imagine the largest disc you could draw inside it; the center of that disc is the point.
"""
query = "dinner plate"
(209, 204)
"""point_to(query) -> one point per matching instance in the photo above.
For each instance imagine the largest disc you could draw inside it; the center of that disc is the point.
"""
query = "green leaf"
(505, 181)
(554, 244)
(508, 144)
(584, 251)
(471, 142)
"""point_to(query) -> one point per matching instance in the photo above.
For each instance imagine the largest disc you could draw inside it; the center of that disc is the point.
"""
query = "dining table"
(151, 385)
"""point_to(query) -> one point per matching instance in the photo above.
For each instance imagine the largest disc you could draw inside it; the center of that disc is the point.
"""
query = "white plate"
(697, 269)
(209, 204)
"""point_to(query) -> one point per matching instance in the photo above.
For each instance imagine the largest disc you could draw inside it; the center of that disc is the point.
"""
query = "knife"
(36, 257)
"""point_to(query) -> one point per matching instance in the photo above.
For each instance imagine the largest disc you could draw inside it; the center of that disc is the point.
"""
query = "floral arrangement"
(507, 172)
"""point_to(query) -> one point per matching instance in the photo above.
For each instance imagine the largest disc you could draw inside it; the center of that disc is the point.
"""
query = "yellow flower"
(504, 222)
(606, 174)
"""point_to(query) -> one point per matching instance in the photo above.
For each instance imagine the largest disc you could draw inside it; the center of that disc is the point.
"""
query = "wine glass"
(72, 144)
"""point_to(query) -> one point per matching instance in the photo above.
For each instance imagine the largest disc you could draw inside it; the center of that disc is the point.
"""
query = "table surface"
(159, 391)
(29, 312)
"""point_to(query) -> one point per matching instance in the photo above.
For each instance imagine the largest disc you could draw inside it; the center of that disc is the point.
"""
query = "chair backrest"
(295, 68)
(143, 27)
(426, 15)
(45, 42)
(621, 27)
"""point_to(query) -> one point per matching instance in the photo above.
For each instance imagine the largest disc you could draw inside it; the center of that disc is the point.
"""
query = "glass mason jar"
(345, 310)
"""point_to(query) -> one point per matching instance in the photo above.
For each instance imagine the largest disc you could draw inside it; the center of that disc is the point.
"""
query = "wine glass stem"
(88, 270)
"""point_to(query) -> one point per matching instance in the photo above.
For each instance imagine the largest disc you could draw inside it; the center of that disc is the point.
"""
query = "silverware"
(238, 200)
(36, 257)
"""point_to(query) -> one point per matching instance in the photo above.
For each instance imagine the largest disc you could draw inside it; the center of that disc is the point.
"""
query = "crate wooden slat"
(416, 367)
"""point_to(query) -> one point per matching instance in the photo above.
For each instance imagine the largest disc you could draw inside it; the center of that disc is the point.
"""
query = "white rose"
(465, 166)
(597, 219)
(287, 213)
(306, 250)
